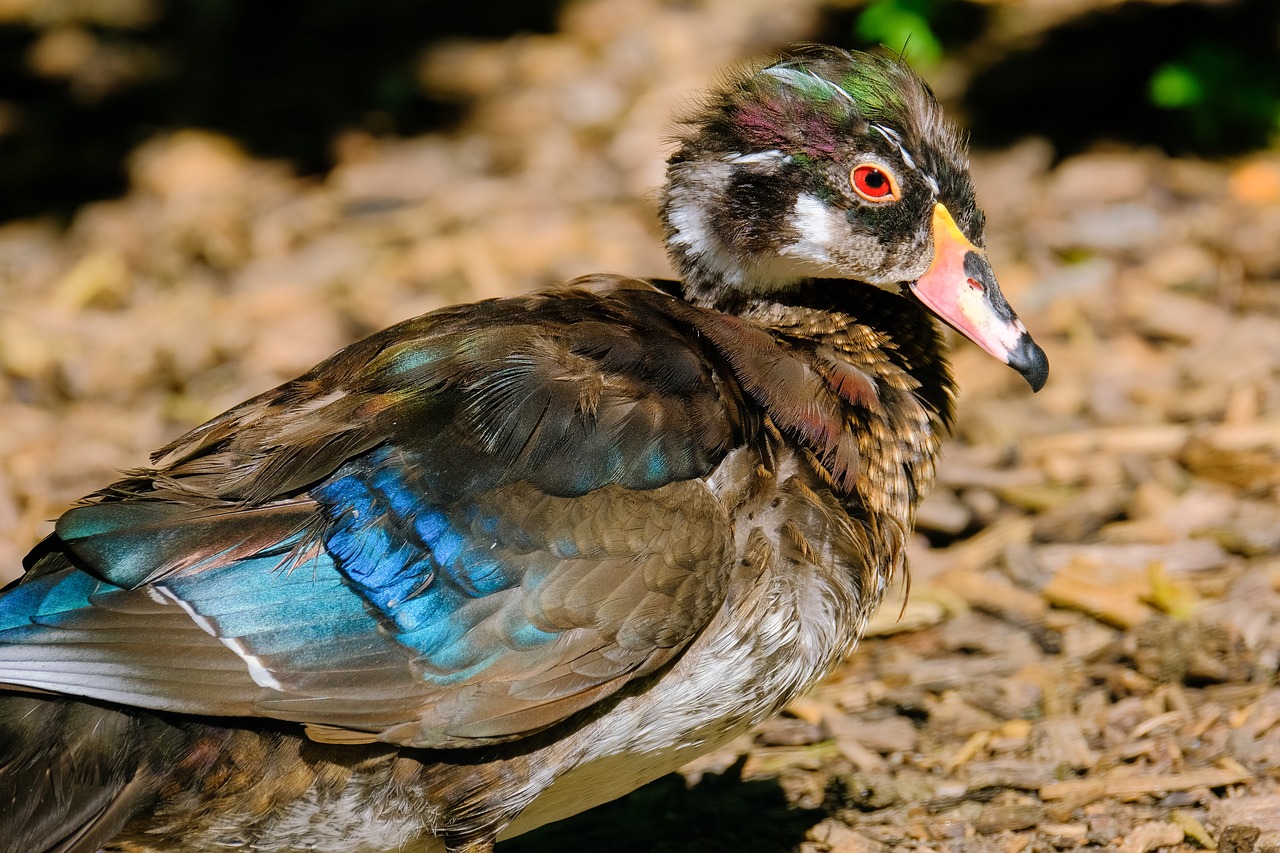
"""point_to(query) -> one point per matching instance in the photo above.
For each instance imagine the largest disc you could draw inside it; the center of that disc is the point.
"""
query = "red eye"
(874, 183)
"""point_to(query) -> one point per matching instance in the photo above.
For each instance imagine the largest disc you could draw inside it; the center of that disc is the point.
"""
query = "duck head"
(836, 165)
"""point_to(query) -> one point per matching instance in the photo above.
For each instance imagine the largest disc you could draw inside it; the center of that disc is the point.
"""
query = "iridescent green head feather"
(806, 104)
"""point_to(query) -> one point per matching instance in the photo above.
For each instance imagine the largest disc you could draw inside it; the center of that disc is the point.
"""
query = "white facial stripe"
(771, 156)
(792, 77)
(888, 133)
(892, 136)
(839, 90)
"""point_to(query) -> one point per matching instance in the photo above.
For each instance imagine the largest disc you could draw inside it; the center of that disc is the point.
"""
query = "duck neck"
(897, 346)
(854, 375)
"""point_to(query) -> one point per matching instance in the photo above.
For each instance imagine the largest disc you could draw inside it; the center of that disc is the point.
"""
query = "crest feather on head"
(807, 103)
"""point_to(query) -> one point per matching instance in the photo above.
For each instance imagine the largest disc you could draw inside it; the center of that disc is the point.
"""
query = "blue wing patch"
(431, 571)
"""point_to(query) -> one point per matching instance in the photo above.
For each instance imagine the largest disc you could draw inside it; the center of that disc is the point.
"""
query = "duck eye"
(874, 183)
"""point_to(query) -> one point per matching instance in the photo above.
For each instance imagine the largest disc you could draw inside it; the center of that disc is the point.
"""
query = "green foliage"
(1218, 90)
(902, 25)
(1175, 85)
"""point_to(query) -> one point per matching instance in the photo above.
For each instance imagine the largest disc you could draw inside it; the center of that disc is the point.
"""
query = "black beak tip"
(1029, 360)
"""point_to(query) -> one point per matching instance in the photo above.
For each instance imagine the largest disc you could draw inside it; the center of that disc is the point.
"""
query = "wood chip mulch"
(1088, 656)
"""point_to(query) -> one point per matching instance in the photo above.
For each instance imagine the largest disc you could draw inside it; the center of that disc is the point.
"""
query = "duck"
(506, 561)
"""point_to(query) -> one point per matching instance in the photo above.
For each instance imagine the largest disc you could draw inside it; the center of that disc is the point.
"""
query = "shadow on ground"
(721, 814)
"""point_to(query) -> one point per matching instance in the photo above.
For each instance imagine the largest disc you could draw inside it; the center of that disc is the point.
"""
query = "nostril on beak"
(977, 285)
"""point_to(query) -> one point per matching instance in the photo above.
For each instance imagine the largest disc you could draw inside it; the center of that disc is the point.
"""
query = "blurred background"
(84, 82)
(200, 199)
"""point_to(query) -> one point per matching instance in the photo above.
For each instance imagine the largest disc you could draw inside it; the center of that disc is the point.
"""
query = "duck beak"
(960, 287)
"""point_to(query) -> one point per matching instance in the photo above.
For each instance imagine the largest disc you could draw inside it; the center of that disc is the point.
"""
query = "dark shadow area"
(285, 77)
(721, 814)
(282, 77)
(1196, 78)
(952, 26)
(1092, 79)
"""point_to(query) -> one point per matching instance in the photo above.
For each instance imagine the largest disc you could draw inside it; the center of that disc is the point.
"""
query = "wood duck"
(506, 561)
